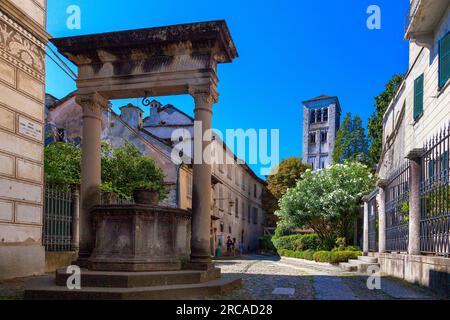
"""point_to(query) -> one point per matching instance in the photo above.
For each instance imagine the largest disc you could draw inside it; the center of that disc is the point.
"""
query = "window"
(255, 215)
(222, 227)
(312, 137)
(221, 168)
(236, 208)
(243, 181)
(418, 97)
(189, 186)
(230, 203)
(325, 115)
(319, 115)
(236, 176)
(324, 137)
(243, 210)
(249, 213)
(444, 60)
(230, 172)
(444, 165)
(312, 118)
(220, 197)
(229, 229)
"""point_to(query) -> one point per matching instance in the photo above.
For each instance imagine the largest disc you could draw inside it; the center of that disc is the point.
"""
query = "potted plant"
(146, 193)
(109, 195)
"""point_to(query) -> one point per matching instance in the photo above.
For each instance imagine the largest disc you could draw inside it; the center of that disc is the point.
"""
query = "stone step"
(107, 279)
(45, 289)
(348, 267)
(368, 259)
(361, 265)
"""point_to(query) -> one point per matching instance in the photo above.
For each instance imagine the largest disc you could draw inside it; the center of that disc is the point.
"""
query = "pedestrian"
(241, 248)
(229, 244)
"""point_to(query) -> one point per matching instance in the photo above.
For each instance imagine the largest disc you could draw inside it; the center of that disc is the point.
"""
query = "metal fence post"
(414, 201)
(75, 218)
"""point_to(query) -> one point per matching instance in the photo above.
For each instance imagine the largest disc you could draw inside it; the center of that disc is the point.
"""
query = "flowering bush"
(326, 201)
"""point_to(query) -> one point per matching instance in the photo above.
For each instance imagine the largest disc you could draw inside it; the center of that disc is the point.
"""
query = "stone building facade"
(236, 204)
(22, 80)
(321, 120)
(415, 159)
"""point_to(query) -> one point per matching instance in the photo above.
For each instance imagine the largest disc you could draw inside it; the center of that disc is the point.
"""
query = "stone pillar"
(93, 106)
(414, 201)
(366, 227)
(75, 218)
(201, 190)
(382, 217)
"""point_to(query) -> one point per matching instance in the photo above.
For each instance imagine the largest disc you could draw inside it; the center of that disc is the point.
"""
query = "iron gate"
(435, 194)
(373, 221)
(57, 229)
(397, 210)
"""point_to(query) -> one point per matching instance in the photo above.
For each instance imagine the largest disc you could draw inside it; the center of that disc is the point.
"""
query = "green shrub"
(265, 243)
(298, 242)
(286, 242)
(321, 256)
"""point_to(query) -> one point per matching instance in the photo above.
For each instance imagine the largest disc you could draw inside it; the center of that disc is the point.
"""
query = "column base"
(199, 266)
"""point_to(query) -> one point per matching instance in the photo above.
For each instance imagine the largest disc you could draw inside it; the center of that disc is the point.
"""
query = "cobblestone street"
(291, 279)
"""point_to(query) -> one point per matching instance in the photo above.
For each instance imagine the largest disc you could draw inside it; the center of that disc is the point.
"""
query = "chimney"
(132, 115)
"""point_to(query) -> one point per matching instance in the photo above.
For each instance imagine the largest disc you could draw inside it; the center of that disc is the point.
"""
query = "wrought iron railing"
(57, 228)
(373, 221)
(435, 194)
(411, 12)
(397, 210)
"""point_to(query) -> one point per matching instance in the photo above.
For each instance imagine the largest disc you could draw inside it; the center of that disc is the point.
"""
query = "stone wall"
(427, 271)
(22, 76)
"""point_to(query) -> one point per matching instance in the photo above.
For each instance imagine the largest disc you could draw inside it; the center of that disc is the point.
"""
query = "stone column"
(382, 216)
(414, 201)
(201, 190)
(93, 106)
(75, 218)
(366, 227)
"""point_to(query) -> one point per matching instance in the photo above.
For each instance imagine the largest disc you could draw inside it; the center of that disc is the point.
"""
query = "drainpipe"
(178, 186)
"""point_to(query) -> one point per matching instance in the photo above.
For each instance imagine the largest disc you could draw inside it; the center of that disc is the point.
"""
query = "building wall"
(401, 133)
(22, 76)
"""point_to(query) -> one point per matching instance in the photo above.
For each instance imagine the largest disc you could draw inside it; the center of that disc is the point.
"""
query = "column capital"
(415, 154)
(382, 183)
(93, 104)
(204, 94)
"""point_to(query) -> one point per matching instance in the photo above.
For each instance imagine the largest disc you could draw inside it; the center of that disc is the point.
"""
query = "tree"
(326, 201)
(351, 141)
(124, 169)
(283, 177)
(375, 125)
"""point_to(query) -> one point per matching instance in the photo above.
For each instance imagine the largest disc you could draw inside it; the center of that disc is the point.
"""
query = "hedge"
(321, 256)
(298, 242)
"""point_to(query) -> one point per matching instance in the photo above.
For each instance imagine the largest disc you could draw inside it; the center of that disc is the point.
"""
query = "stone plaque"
(30, 128)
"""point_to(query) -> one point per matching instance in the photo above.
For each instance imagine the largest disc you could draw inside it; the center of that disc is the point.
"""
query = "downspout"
(178, 186)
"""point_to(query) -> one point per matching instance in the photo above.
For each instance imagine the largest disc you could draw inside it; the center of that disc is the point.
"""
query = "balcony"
(422, 19)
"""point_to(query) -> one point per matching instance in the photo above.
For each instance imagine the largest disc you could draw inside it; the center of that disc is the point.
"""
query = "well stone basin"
(140, 238)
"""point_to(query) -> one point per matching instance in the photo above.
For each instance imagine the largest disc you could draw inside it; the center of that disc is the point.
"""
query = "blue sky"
(290, 51)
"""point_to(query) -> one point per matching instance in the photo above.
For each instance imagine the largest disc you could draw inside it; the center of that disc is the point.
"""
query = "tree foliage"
(351, 141)
(375, 125)
(123, 170)
(326, 201)
(283, 177)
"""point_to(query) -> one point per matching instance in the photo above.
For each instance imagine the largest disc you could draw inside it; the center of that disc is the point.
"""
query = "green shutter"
(431, 169)
(418, 97)
(444, 164)
(444, 60)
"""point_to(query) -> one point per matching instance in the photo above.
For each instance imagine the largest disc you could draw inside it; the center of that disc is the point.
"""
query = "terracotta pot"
(146, 197)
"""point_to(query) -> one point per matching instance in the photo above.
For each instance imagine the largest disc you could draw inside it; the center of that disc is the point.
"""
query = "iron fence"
(57, 229)
(434, 195)
(397, 210)
(373, 221)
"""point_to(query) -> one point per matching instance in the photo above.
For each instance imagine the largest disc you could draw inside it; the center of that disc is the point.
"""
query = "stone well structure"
(172, 60)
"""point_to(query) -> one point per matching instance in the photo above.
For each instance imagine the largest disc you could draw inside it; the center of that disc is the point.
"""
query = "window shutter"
(444, 60)
(418, 97)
